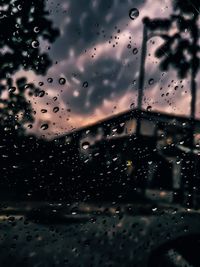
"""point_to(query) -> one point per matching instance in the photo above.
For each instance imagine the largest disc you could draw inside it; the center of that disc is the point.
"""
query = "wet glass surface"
(100, 133)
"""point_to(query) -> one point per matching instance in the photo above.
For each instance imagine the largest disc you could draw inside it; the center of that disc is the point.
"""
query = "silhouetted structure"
(106, 160)
(179, 50)
(157, 157)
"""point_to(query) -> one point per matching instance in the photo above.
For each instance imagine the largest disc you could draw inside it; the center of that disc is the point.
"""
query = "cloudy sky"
(98, 54)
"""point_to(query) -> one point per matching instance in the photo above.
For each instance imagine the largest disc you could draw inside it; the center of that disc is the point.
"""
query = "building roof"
(163, 119)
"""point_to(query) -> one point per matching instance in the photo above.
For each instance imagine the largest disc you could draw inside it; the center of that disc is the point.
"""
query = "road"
(107, 234)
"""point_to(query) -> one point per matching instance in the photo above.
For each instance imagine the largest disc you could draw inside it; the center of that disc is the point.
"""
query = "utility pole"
(194, 69)
(141, 76)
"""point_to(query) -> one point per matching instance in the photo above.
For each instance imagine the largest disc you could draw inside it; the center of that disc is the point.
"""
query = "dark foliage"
(23, 25)
(180, 48)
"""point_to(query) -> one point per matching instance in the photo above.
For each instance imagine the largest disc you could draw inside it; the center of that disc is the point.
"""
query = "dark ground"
(88, 234)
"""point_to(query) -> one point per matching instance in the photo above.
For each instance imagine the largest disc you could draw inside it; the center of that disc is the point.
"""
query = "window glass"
(99, 133)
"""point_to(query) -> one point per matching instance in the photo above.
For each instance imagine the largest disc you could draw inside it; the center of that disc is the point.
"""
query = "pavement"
(41, 234)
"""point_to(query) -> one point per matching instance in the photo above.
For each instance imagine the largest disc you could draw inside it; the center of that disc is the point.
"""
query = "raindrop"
(85, 145)
(62, 81)
(41, 93)
(26, 86)
(30, 126)
(135, 51)
(12, 89)
(36, 29)
(133, 13)
(44, 126)
(134, 82)
(149, 108)
(2, 15)
(151, 81)
(132, 105)
(85, 84)
(15, 167)
(44, 110)
(55, 98)
(56, 109)
(49, 80)
(40, 83)
(35, 44)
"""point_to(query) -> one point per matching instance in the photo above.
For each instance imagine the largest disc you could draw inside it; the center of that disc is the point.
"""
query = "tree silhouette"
(181, 43)
(23, 26)
(181, 51)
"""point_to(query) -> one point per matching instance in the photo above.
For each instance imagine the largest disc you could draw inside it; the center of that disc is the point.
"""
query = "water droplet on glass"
(85, 84)
(133, 13)
(85, 145)
(55, 98)
(44, 126)
(62, 81)
(44, 110)
(30, 126)
(49, 80)
(134, 82)
(26, 86)
(135, 51)
(35, 44)
(36, 29)
(132, 105)
(2, 15)
(41, 83)
(151, 81)
(56, 109)
(12, 89)
(149, 108)
(41, 93)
